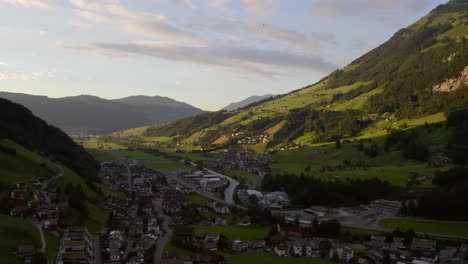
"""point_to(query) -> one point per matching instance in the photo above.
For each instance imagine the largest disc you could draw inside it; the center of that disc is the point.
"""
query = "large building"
(76, 247)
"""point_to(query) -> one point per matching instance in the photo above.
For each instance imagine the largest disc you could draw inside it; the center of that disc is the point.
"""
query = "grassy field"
(102, 155)
(263, 257)
(240, 174)
(234, 232)
(440, 228)
(95, 143)
(156, 162)
(15, 232)
(22, 166)
(390, 166)
(198, 199)
(52, 245)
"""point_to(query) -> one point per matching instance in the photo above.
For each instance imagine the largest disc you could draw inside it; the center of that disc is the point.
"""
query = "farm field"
(102, 155)
(421, 226)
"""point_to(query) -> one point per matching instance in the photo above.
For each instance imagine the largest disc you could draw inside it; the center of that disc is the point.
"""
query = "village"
(160, 217)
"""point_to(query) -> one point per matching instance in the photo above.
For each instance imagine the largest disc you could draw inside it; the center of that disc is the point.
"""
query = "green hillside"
(389, 87)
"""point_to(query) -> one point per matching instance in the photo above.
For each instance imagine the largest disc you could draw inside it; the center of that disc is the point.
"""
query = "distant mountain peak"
(246, 102)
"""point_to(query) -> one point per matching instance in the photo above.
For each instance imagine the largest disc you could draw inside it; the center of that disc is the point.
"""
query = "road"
(97, 249)
(162, 242)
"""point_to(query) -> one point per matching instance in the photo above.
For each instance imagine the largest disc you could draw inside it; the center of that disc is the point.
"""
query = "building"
(281, 250)
(419, 244)
(275, 200)
(386, 205)
(344, 253)
(210, 257)
(26, 252)
(76, 247)
(219, 208)
(239, 246)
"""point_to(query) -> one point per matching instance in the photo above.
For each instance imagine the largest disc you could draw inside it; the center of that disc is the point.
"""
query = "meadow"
(429, 227)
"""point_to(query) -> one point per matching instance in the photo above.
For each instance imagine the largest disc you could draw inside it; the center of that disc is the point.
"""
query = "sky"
(207, 53)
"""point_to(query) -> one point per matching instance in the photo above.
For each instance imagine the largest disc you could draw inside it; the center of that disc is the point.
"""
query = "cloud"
(334, 8)
(247, 33)
(260, 7)
(218, 4)
(3, 63)
(44, 4)
(24, 76)
(267, 63)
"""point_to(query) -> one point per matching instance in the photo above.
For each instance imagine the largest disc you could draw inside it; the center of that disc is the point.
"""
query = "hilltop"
(418, 76)
(91, 114)
(246, 102)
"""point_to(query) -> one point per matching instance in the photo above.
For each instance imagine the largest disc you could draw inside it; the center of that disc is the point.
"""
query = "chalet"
(297, 233)
(344, 253)
(239, 246)
(50, 225)
(18, 194)
(219, 208)
(257, 244)
(211, 237)
(281, 250)
(426, 245)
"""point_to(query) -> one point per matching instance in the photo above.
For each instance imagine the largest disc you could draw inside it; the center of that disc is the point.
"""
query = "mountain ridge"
(391, 83)
(247, 101)
(92, 114)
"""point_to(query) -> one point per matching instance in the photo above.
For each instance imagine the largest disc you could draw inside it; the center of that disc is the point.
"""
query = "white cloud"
(260, 7)
(25, 76)
(44, 4)
(248, 60)
(219, 4)
(334, 8)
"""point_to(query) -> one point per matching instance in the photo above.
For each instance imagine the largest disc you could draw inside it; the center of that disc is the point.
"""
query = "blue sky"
(204, 52)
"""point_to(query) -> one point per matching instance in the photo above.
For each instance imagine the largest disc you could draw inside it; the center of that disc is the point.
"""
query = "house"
(300, 248)
(26, 252)
(317, 211)
(257, 244)
(343, 253)
(239, 246)
(114, 255)
(296, 233)
(211, 246)
(210, 257)
(18, 194)
(211, 237)
(281, 250)
(419, 244)
(219, 208)
(76, 247)
(50, 224)
(275, 200)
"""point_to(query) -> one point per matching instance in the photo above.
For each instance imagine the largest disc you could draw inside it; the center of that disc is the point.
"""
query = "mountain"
(247, 102)
(20, 125)
(419, 75)
(89, 114)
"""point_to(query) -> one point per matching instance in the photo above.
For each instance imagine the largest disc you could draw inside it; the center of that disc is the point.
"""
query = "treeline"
(457, 146)
(406, 141)
(308, 190)
(326, 125)
(20, 125)
(185, 127)
(447, 201)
